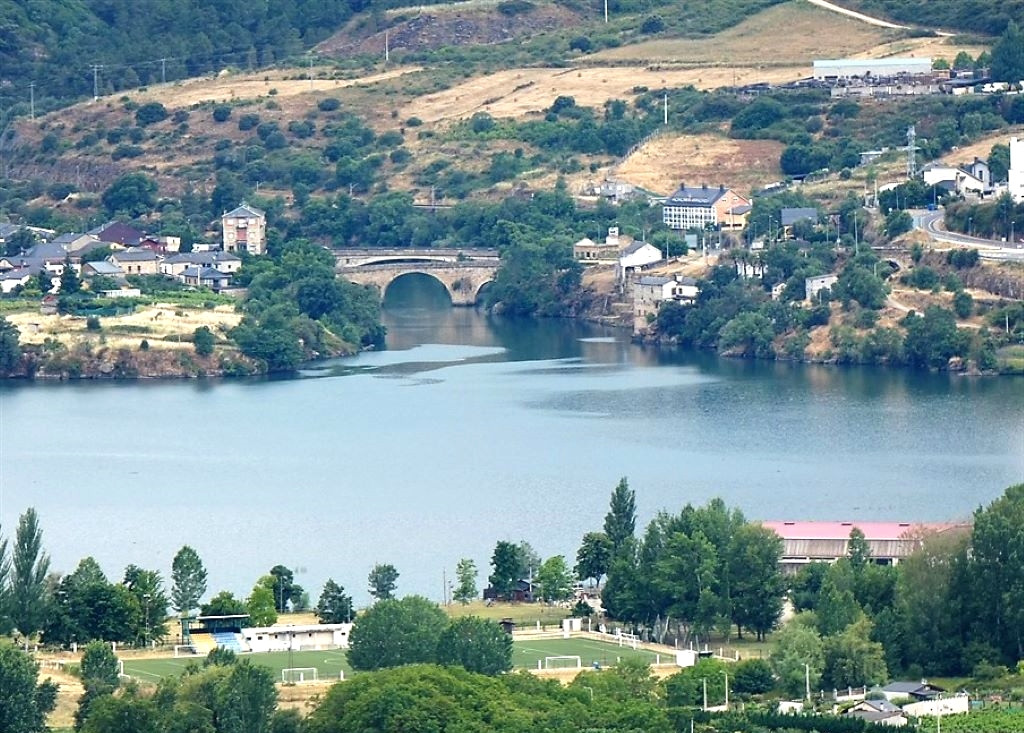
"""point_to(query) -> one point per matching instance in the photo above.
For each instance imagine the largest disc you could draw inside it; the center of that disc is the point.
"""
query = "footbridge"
(463, 272)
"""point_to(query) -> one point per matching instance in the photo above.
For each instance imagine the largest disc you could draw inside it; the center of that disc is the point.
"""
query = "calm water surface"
(470, 429)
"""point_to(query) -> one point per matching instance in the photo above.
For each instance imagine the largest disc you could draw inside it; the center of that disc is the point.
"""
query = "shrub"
(248, 121)
(581, 44)
(963, 304)
(221, 113)
(150, 113)
(413, 122)
(92, 323)
(203, 340)
(329, 104)
(515, 7)
(652, 24)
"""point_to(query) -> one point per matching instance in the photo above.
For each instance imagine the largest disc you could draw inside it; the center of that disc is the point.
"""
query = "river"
(470, 429)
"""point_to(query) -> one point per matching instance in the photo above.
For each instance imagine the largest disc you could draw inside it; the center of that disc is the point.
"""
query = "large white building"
(830, 69)
(1016, 174)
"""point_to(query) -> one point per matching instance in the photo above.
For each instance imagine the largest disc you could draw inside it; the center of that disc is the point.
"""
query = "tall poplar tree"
(188, 580)
(28, 580)
(620, 522)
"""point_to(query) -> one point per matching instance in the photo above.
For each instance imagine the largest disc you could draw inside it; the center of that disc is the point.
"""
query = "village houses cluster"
(135, 253)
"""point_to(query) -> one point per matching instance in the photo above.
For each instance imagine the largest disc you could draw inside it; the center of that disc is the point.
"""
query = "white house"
(13, 278)
(636, 256)
(814, 285)
(1016, 174)
(881, 712)
(957, 180)
(298, 637)
(650, 292)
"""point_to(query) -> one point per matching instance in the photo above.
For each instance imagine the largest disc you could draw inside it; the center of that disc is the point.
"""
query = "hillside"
(988, 17)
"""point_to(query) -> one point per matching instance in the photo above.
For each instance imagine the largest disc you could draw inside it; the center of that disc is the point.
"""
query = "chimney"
(704, 186)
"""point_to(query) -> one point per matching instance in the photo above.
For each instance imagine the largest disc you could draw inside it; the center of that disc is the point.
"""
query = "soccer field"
(526, 653)
(328, 664)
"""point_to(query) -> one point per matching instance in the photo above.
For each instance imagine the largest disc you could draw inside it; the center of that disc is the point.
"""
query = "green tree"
(594, 556)
(29, 567)
(555, 579)
(837, 608)
(852, 659)
(805, 586)
(898, 222)
(133, 194)
(334, 606)
(963, 304)
(396, 631)
(287, 593)
(10, 347)
(246, 699)
(505, 562)
(261, 605)
(147, 589)
(70, 283)
(999, 161)
(756, 585)
(203, 340)
(99, 675)
(858, 551)
(130, 713)
(997, 576)
(25, 701)
(383, 580)
(752, 677)
(620, 522)
(188, 580)
(24, 239)
(478, 644)
(465, 576)
(1008, 55)
(225, 604)
(795, 646)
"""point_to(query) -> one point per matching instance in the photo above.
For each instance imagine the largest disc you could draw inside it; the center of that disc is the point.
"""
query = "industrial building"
(833, 69)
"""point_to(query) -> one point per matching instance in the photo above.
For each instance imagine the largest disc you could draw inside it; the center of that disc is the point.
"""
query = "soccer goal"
(563, 662)
(120, 669)
(183, 650)
(630, 640)
(298, 675)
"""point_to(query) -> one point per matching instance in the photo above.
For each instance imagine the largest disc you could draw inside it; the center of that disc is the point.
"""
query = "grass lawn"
(526, 653)
(328, 664)
(525, 615)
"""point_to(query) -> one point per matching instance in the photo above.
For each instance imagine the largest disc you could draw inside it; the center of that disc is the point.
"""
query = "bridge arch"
(462, 280)
(384, 287)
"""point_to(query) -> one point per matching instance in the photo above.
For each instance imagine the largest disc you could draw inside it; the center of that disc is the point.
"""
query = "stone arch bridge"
(462, 272)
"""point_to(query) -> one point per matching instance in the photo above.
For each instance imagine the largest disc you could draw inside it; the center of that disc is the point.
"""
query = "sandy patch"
(982, 147)
(664, 162)
(518, 92)
(231, 87)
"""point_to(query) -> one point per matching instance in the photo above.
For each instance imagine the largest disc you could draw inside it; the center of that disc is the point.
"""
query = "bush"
(150, 113)
(515, 7)
(248, 121)
(652, 24)
(328, 104)
(581, 44)
(203, 341)
(413, 122)
(221, 113)
(963, 304)
(92, 323)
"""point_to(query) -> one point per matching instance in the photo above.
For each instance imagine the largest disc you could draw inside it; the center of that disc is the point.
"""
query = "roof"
(740, 209)
(687, 280)
(135, 255)
(654, 280)
(103, 267)
(874, 716)
(880, 63)
(841, 530)
(585, 242)
(689, 196)
(881, 706)
(7, 229)
(633, 247)
(792, 216)
(19, 273)
(202, 258)
(912, 688)
(244, 211)
(117, 232)
(204, 273)
(297, 628)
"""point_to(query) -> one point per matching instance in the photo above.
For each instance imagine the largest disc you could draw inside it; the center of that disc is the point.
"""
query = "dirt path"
(854, 14)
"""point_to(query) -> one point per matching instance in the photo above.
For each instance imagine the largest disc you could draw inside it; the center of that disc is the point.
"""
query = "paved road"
(931, 222)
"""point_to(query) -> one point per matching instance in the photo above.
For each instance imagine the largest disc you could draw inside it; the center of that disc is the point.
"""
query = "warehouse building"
(835, 69)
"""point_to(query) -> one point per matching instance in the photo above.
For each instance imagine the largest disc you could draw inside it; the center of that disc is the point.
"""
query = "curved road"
(931, 223)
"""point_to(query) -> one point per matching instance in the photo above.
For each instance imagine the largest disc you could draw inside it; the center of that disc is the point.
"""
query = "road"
(931, 222)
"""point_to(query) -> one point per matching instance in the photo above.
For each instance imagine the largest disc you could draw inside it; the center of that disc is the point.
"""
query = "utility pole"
(32, 100)
(310, 71)
(163, 71)
(665, 106)
(96, 81)
(605, 11)
(387, 47)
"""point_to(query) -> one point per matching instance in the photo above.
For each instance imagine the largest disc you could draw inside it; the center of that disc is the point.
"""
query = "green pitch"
(525, 655)
(328, 664)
